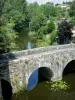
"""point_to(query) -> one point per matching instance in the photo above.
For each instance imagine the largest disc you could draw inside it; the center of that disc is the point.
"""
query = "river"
(42, 91)
(23, 39)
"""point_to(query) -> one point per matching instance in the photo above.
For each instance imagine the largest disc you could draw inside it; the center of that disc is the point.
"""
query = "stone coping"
(14, 55)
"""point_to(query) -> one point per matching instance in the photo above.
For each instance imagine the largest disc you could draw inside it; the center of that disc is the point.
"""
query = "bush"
(41, 43)
(51, 27)
(53, 36)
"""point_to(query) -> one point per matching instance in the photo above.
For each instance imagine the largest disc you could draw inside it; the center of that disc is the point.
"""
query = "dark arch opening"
(39, 75)
(70, 68)
(6, 90)
(44, 74)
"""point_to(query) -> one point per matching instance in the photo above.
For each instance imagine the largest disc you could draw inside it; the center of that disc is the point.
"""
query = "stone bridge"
(16, 67)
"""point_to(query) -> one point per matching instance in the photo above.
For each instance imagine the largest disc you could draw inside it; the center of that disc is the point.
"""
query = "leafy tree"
(48, 28)
(1, 6)
(49, 10)
(15, 9)
(37, 21)
(31, 10)
(72, 9)
(59, 12)
(1, 10)
(7, 38)
(64, 32)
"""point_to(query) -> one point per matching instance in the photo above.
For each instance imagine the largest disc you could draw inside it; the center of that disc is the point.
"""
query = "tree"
(1, 6)
(64, 32)
(49, 10)
(15, 9)
(1, 10)
(32, 9)
(7, 38)
(37, 21)
(72, 9)
(72, 13)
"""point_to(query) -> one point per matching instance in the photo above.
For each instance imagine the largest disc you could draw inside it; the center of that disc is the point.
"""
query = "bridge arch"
(39, 75)
(69, 68)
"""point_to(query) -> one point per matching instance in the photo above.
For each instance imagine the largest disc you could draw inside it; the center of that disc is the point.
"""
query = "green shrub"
(41, 43)
(51, 27)
(53, 36)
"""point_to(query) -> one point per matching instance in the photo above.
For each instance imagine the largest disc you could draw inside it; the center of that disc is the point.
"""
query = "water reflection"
(70, 80)
(39, 75)
(33, 80)
(29, 45)
(42, 91)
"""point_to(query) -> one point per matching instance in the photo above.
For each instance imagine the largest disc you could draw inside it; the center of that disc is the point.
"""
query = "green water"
(23, 39)
(42, 91)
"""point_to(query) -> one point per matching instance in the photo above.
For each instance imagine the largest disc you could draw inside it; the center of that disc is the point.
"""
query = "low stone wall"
(14, 55)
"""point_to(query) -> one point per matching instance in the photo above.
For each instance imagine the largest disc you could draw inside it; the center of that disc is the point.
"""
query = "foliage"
(51, 27)
(42, 31)
(53, 36)
(72, 21)
(32, 33)
(7, 38)
(49, 10)
(55, 86)
(15, 9)
(19, 89)
(31, 10)
(72, 12)
(37, 21)
(42, 43)
(1, 6)
(46, 29)
(72, 9)
(64, 32)
(59, 85)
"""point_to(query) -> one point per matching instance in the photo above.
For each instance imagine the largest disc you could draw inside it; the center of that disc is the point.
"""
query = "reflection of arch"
(70, 68)
(39, 75)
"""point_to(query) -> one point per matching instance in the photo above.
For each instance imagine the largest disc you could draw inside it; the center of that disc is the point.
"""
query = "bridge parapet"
(18, 54)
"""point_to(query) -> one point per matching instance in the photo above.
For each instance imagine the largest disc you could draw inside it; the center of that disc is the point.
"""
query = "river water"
(42, 91)
(23, 39)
